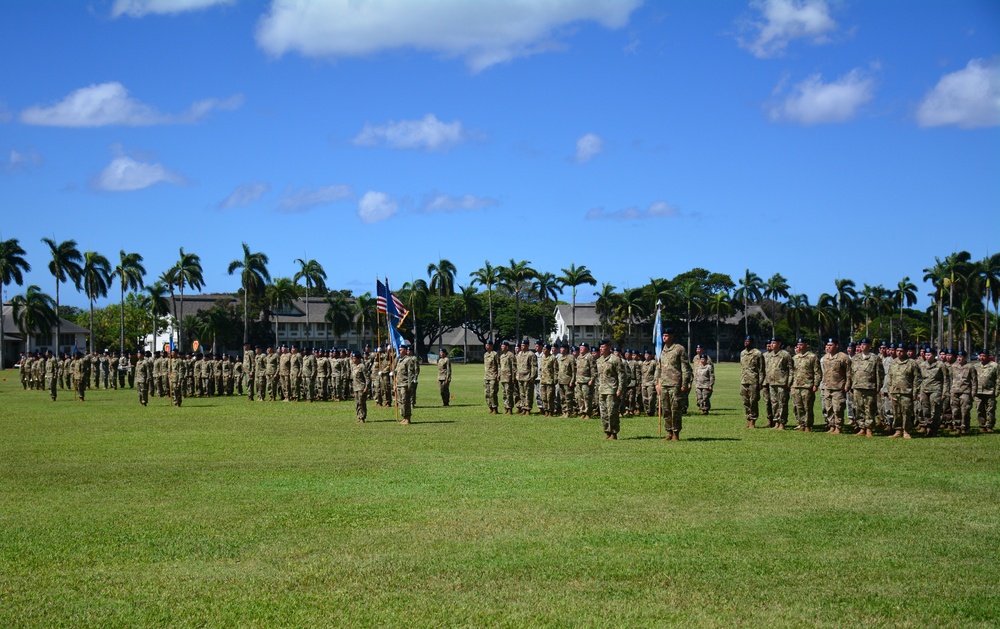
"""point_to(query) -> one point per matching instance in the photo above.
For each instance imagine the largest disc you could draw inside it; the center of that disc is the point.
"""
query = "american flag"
(382, 293)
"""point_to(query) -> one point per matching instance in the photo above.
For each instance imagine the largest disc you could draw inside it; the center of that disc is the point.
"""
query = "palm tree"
(185, 272)
(442, 277)
(607, 303)
(905, 293)
(825, 314)
(798, 310)
(130, 272)
(516, 278)
(775, 288)
(573, 277)
(989, 271)
(871, 300)
(415, 293)
(213, 323)
(312, 272)
(693, 294)
(548, 288)
(846, 294)
(280, 293)
(159, 305)
(631, 303)
(470, 309)
(937, 275)
(34, 313)
(364, 314)
(967, 315)
(339, 313)
(487, 276)
(959, 268)
(13, 266)
(750, 291)
(96, 279)
(64, 266)
(254, 277)
(720, 305)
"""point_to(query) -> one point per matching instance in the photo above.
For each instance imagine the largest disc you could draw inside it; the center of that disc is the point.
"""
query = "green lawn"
(224, 512)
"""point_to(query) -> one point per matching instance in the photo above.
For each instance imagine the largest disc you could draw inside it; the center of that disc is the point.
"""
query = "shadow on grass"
(712, 439)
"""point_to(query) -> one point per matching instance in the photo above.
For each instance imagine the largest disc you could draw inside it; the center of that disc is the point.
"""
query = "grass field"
(229, 513)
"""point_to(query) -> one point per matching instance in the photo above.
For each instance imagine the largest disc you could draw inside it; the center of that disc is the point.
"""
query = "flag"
(657, 333)
(382, 295)
(393, 316)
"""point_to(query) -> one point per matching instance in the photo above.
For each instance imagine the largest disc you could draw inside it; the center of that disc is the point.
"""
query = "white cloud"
(376, 206)
(968, 98)
(447, 203)
(657, 209)
(21, 160)
(483, 32)
(814, 102)
(140, 8)
(784, 20)
(124, 174)
(428, 133)
(244, 195)
(109, 104)
(587, 147)
(303, 200)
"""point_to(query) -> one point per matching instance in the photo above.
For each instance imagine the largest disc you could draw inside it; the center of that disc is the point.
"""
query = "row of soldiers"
(563, 378)
(108, 370)
(896, 388)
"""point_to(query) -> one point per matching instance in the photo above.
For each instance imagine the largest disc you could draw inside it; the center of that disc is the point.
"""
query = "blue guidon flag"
(658, 333)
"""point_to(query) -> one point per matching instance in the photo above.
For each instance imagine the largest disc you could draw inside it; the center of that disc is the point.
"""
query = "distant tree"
(254, 276)
(775, 288)
(13, 266)
(159, 305)
(186, 271)
(846, 294)
(315, 277)
(339, 313)
(130, 274)
(574, 277)
(607, 303)
(487, 276)
(33, 313)
(720, 305)
(517, 277)
(442, 280)
(750, 291)
(694, 298)
(364, 315)
(280, 293)
(547, 287)
(96, 279)
(65, 265)
(799, 311)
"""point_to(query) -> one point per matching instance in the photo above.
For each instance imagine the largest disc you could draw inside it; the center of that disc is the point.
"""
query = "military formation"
(77, 372)
(899, 390)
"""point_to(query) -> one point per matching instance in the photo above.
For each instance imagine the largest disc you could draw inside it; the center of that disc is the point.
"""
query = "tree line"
(507, 301)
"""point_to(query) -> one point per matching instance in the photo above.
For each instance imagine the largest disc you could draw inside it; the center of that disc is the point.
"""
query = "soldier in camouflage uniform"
(548, 375)
(704, 383)
(260, 373)
(989, 389)
(567, 381)
(751, 380)
(933, 384)
(309, 368)
(673, 379)
(143, 376)
(904, 383)
(526, 373)
(805, 382)
(177, 371)
(964, 387)
(867, 376)
(405, 374)
(647, 379)
(360, 381)
(444, 376)
(778, 368)
(508, 383)
(610, 388)
(836, 368)
(491, 377)
(272, 368)
(249, 361)
(51, 373)
(586, 376)
(295, 374)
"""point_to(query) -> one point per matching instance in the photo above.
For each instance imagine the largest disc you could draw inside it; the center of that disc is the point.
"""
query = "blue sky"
(818, 139)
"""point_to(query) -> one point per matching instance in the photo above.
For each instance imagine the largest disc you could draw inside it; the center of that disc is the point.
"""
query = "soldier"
(673, 378)
(285, 373)
(201, 375)
(836, 368)
(866, 380)
(143, 374)
(405, 375)
(805, 382)
(526, 374)
(444, 376)
(178, 368)
(989, 388)
(610, 387)
(933, 383)
(567, 381)
(632, 392)
(647, 378)
(704, 382)
(904, 382)
(228, 375)
(508, 384)
(548, 375)
(51, 373)
(272, 368)
(751, 380)
(80, 375)
(586, 376)
(491, 377)
(389, 361)
(886, 352)
(778, 368)
(249, 361)
(260, 373)
(964, 387)
(124, 370)
(309, 369)
(360, 381)
(295, 374)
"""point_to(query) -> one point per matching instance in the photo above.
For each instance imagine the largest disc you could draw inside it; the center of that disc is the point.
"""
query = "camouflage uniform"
(361, 381)
(836, 381)
(586, 374)
(647, 375)
(527, 372)
(904, 382)
(751, 381)
(986, 399)
(491, 377)
(933, 383)
(567, 384)
(778, 369)
(867, 376)
(548, 376)
(508, 385)
(444, 379)
(673, 377)
(964, 387)
(610, 387)
(805, 382)
(405, 375)
(704, 383)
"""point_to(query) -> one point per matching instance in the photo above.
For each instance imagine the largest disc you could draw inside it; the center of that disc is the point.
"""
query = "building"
(14, 344)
